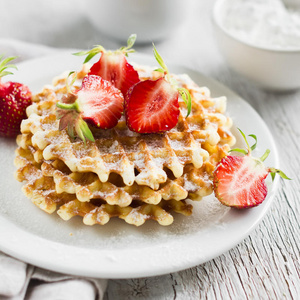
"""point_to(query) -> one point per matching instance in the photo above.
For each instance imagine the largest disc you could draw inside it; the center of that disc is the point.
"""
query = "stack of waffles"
(122, 174)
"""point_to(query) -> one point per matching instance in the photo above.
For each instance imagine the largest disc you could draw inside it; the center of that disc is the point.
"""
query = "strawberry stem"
(100, 49)
(272, 171)
(130, 42)
(161, 62)
(249, 149)
(70, 118)
(245, 152)
(68, 105)
(68, 86)
(265, 155)
(245, 139)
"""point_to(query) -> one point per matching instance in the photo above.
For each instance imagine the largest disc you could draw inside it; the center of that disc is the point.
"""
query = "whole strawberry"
(14, 99)
(239, 181)
(113, 65)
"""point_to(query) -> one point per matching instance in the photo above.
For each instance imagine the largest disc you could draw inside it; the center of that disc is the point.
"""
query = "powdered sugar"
(264, 23)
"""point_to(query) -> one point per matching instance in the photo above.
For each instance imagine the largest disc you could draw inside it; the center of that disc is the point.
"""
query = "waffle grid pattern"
(123, 174)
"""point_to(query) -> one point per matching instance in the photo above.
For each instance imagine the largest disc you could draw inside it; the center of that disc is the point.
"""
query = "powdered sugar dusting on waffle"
(123, 174)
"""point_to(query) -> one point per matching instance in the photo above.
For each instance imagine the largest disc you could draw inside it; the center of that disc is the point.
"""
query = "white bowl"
(271, 69)
(292, 3)
(151, 20)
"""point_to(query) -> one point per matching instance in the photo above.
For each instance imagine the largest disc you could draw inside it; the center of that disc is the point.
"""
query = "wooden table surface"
(266, 264)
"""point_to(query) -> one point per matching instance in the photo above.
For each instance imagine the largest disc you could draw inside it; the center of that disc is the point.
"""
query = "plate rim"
(8, 244)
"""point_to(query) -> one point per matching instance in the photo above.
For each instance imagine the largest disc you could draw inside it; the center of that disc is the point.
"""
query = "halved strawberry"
(239, 181)
(97, 102)
(113, 65)
(14, 99)
(151, 106)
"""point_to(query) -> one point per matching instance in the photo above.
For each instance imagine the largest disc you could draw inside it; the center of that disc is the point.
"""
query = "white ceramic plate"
(118, 250)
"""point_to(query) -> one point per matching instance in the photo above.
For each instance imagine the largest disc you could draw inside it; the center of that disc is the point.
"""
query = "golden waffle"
(123, 174)
(41, 190)
(135, 157)
(194, 183)
(136, 214)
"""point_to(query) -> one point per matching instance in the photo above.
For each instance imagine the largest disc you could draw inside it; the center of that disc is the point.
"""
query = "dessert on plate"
(129, 166)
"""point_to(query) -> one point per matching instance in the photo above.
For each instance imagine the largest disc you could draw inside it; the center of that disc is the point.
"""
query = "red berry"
(100, 103)
(97, 102)
(239, 181)
(113, 66)
(14, 99)
(151, 106)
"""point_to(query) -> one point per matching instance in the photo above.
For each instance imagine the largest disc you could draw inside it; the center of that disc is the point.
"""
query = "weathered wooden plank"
(259, 268)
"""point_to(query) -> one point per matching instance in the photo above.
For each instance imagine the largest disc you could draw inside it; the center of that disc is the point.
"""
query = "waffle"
(42, 191)
(122, 174)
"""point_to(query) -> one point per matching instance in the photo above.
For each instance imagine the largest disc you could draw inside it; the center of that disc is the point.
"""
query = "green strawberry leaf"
(69, 117)
(274, 171)
(160, 60)
(249, 149)
(90, 53)
(100, 49)
(255, 138)
(245, 152)
(160, 70)
(4, 65)
(186, 96)
(79, 131)
(86, 130)
(69, 85)
(130, 42)
(89, 57)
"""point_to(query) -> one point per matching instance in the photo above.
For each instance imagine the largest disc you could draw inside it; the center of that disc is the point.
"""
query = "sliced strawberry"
(100, 103)
(239, 181)
(14, 99)
(113, 65)
(152, 106)
(97, 102)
